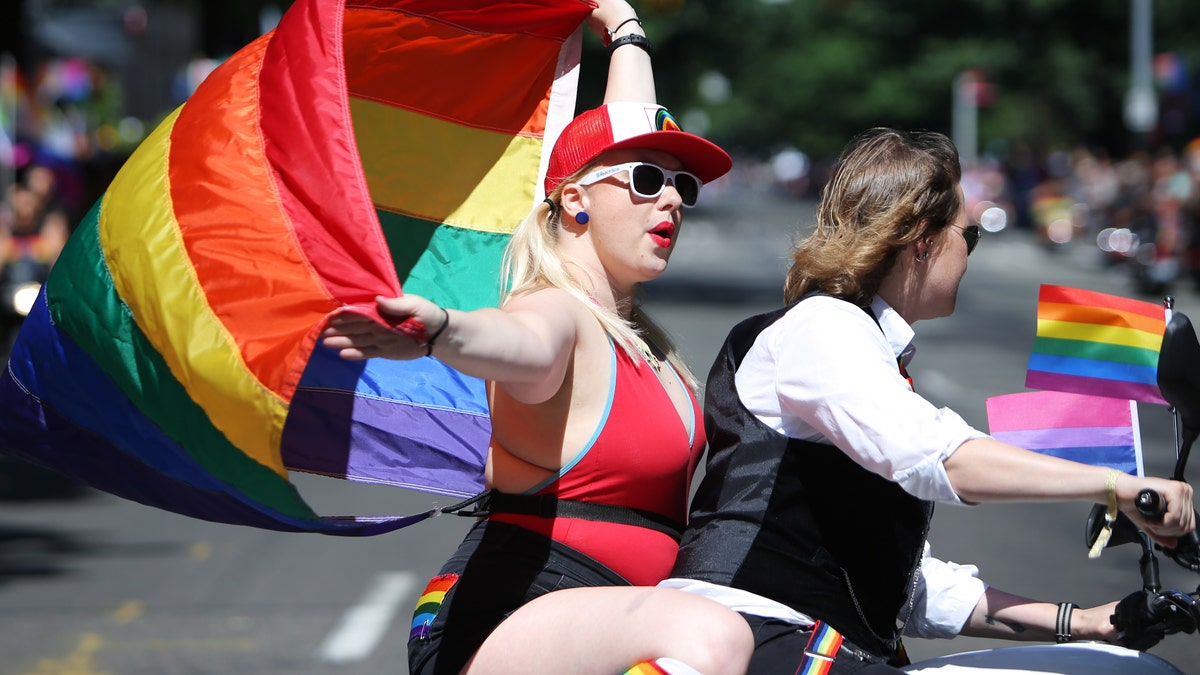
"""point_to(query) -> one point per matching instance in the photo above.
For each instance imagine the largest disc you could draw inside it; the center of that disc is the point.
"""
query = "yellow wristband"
(1110, 516)
(1110, 491)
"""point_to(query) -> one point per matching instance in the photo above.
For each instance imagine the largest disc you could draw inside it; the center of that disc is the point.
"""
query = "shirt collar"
(899, 333)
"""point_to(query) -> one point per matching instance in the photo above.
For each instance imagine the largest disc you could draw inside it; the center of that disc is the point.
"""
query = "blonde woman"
(595, 425)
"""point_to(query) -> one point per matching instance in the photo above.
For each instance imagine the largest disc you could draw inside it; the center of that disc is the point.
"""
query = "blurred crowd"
(1141, 210)
(61, 127)
(63, 135)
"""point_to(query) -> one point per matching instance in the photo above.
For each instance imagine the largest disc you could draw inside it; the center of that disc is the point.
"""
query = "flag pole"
(1176, 420)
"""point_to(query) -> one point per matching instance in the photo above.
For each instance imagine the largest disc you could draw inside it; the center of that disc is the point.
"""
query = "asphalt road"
(91, 584)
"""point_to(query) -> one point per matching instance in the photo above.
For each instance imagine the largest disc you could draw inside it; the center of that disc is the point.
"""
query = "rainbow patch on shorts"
(429, 604)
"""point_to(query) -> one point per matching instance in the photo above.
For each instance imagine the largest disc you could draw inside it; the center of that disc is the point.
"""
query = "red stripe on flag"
(1078, 296)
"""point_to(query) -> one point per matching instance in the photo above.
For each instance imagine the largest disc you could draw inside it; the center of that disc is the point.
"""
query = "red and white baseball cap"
(614, 126)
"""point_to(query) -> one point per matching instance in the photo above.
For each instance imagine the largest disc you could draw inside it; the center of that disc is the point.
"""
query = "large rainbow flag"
(1096, 430)
(358, 148)
(1098, 344)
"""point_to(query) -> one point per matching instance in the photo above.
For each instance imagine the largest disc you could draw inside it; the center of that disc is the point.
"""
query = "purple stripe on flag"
(1035, 379)
(440, 451)
(1044, 439)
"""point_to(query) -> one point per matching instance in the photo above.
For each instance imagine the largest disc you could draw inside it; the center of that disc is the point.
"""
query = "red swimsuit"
(643, 457)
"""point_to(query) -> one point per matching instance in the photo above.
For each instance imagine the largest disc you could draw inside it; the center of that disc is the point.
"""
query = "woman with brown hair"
(825, 462)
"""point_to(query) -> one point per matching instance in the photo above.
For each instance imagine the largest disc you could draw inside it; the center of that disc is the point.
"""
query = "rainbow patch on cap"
(665, 121)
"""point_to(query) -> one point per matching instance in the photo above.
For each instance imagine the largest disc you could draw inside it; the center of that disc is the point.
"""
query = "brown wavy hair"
(888, 189)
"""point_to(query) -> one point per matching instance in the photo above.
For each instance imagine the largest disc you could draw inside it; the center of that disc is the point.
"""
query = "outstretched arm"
(987, 470)
(526, 346)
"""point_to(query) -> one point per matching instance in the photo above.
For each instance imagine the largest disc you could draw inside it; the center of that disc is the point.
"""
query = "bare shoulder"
(565, 315)
(553, 306)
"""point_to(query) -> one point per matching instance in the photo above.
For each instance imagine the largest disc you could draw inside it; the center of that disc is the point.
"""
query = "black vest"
(800, 522)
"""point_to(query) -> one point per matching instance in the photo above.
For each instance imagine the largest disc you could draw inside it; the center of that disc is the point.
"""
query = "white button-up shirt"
(825, 372)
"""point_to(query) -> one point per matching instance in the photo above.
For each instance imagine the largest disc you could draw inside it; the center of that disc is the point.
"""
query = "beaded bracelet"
(631, 39)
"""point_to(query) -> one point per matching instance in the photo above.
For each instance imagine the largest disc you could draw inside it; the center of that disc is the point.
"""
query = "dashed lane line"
(364, 625)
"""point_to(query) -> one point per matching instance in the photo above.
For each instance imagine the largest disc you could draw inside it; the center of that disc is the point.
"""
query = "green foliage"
(811, 73)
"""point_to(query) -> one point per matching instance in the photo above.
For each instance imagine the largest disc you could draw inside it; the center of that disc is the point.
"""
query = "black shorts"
(779, 648)
(498, 568)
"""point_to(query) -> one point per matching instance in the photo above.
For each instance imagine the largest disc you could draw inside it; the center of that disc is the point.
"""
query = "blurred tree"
(12, 19)
(810, 73)
(228, 25)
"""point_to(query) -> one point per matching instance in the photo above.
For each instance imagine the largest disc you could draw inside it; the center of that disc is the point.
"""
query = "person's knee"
(719, 641)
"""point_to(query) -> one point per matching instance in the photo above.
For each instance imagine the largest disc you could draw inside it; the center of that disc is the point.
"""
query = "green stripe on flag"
(84, 304)
(451, 266)
(1096, 351)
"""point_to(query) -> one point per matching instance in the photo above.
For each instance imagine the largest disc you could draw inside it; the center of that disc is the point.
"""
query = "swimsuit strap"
(550, 506)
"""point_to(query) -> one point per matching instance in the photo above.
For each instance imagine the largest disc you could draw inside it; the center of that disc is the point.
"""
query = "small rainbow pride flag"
(1098, 344)
(1097, 430)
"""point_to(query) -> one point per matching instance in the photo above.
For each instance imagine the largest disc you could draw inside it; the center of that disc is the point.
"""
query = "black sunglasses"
(972, 234)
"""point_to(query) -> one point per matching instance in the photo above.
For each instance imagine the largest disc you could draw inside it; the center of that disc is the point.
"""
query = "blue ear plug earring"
(582, 218)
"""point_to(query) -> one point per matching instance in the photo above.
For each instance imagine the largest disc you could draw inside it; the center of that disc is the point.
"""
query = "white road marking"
(364, 625)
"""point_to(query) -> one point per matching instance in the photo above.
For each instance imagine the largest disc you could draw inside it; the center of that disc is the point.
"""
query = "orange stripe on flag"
(229, 197)
(1100, 316)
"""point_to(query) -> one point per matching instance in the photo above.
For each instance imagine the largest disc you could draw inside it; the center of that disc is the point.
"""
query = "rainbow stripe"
(821, 651)
(359, 148)
(1094, 343)
(1092, 429)
(430, 603)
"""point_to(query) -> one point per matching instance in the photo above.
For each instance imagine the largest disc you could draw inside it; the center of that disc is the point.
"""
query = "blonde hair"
(889, 188)
(532, 261)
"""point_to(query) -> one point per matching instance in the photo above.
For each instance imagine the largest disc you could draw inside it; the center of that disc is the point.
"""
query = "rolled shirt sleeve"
(842, 384)
(946, 595)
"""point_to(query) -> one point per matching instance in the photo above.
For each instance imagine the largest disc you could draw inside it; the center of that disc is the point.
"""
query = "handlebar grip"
(1150, 504)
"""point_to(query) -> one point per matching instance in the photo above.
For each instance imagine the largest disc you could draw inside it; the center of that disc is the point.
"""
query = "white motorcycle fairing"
(1078, 658)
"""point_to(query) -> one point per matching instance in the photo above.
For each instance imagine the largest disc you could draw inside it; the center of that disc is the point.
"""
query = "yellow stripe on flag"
(501, 167)
(152, 274)
(1090, 332)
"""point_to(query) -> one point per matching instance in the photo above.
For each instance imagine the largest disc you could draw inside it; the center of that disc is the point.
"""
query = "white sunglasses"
(649, 180)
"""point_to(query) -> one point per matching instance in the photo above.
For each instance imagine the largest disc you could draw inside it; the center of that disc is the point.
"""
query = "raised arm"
(630, 76)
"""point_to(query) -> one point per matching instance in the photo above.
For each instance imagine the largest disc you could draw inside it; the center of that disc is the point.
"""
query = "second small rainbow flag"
(1098, 344)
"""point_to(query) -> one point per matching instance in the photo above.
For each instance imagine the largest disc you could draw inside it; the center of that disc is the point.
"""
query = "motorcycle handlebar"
(1150, 504)
(1144, 618)
(1187, 550)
